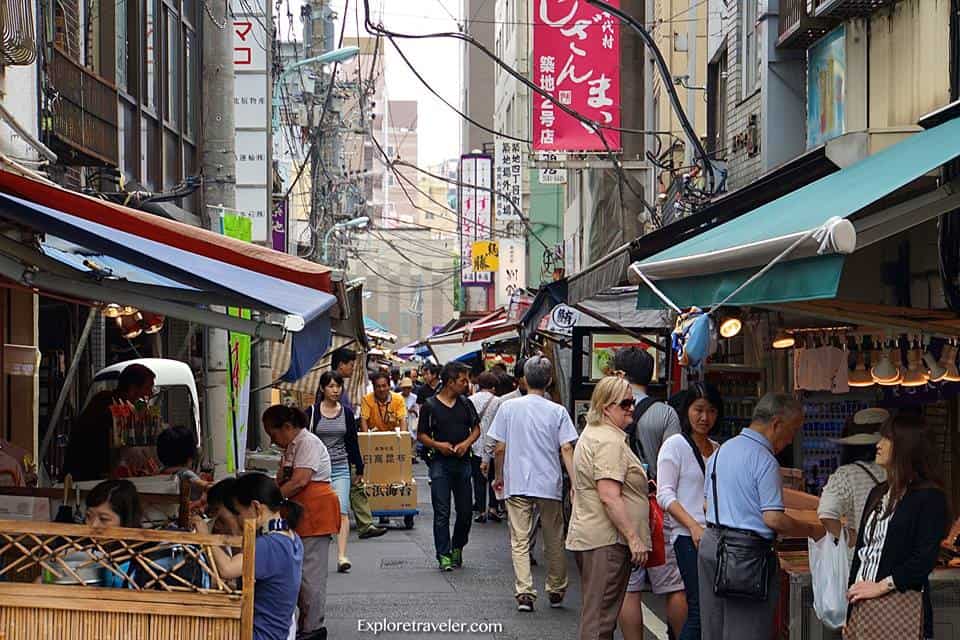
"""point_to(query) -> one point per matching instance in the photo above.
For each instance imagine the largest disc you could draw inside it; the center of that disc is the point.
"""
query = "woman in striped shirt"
(904, 521)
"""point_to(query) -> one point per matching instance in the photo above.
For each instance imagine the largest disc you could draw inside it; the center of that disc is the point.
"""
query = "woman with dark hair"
(680, 475)
(114, 503)
(904, 521)
(336, 426)
(278, 556)
(304, 477)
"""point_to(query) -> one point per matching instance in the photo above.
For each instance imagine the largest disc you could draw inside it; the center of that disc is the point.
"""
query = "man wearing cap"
(413, 410)
(845, 494)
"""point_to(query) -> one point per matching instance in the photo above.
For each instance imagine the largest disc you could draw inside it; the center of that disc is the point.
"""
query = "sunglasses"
(627, 404)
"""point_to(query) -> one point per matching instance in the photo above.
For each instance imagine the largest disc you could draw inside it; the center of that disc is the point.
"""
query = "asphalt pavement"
(395, 580)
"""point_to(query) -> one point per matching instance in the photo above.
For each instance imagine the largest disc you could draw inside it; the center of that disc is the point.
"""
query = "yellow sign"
(485, 256)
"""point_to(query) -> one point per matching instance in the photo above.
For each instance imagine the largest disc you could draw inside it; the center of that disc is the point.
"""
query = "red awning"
(175, 234)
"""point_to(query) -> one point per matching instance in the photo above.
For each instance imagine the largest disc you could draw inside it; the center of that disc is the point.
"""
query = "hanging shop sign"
(512, 271)
(549, 175)
(238, 357)
(476, 180)
(508, 168)
(826, 91)
(576, 60)
(562, 320)
(485, 256)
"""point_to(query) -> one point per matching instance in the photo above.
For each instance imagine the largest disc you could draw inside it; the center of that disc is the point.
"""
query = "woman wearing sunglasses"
(609, 527)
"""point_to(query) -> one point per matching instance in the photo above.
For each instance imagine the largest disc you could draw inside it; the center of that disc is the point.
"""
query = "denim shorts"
(340, 479)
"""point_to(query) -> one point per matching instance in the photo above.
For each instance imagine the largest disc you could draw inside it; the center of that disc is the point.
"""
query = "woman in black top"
(904, 521)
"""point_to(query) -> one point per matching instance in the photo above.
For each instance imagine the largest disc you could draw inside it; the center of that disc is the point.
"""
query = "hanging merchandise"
(820, 367)
(694, 338)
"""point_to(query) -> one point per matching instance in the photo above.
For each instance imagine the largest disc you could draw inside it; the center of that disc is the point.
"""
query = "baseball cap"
(406, 383)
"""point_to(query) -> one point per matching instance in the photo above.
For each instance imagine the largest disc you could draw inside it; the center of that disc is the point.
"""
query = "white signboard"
(252, 111)
(512, 270)
(552, 176)
(563, 319)
(475, 183)
(508, 159)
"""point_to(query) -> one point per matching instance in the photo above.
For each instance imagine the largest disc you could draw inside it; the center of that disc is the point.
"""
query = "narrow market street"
(395, 578)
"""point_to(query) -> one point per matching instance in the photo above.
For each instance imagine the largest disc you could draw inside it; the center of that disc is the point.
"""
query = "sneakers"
(525, 603)
(343, 566)
(372, 532)
(446, 563)
(556, 600)
(456, 557)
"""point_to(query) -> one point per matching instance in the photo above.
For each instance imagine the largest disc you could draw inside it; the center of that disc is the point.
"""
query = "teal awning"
(703, 270)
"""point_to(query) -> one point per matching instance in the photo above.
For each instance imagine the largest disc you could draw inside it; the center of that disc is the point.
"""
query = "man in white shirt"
(530, 432)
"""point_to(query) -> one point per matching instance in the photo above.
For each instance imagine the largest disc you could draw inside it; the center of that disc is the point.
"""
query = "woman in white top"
(680, 478)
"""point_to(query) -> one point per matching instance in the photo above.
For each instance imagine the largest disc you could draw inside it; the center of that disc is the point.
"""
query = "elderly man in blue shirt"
(749, 505)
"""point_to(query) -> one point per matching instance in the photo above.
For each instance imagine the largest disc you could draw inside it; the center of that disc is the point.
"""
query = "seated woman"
(278, 557)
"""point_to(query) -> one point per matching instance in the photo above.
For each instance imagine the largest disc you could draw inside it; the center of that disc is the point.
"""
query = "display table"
(798, 621)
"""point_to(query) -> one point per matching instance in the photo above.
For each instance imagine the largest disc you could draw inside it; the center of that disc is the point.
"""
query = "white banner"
(475, 209)
(512, 271)
(508, 156)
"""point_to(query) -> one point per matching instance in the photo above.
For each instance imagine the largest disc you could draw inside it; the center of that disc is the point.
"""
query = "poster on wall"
(238, 391)
(826, 77)
(576, 60)
(603, 346)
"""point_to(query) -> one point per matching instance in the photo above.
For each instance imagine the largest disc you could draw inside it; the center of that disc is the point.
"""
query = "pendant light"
(936, 371)
(915, 375)
(884, 372)
(112, 310)
(860, 377)
(152, 322)
(731, 324)
(130, 326)
(783, 340)
(948, 360)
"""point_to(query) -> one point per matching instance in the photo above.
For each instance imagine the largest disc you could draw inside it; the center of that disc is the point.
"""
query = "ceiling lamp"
(860, 377)
(129, 311)
(936, 371)
(948, 360)
(730, 325)
(916, 374)
(783, 340)
(885, 372)
(112, 311)
(130, 326)
(152, 322)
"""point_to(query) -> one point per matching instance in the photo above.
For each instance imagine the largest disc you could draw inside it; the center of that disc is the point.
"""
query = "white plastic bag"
(830, 570)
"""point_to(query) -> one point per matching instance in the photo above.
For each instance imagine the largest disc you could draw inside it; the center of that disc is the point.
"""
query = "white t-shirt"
(533, 428)
(413, 414)
(483, 403)
(307, 451)
(679, 479)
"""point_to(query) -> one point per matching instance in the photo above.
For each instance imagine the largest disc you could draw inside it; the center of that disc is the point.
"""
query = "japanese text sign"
(508, 169)
(485, 256)
(576, 59)
(476, 180)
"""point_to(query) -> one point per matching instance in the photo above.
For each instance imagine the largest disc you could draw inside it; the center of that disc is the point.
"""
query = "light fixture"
(129, 311)
(916, 374)
(731, 324)
(130, 326)
(152, 322)
(860, 377)
(783, 340)
(885, 373)
(948, 360)
(936, 371)
(112, 310)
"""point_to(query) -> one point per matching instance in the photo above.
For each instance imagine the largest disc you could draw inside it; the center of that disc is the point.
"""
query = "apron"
(321, 508)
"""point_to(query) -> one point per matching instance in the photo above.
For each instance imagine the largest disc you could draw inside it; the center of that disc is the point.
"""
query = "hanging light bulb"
(112, 311)
(152, 322)
(731, 324)
(916, 374)
(129, 311)
(884, 372)
(130, 326)
(936, 371)
(783, 340)
(860, 377)
(948, 360)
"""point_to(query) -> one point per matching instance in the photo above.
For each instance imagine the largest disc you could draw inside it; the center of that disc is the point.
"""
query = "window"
(151, 51)
(172, 78)
(123, 49)
(717, 107)
(749, 50)
(190, 59)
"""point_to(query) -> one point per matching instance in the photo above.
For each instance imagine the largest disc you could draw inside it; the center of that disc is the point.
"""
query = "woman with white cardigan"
(680, 482)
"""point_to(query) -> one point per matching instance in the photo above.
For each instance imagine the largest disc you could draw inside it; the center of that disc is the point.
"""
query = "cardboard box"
(387, 457)
(20, 360)
(397, 496)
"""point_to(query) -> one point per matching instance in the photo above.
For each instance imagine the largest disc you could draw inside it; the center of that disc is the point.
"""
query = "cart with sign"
(388, 475)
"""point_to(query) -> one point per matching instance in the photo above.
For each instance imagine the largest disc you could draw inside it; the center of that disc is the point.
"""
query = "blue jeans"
(450, 475)
(687, 563)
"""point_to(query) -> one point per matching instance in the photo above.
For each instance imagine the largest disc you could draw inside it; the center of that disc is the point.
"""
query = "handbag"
(745, 559)
(658, 543)
(895, 616)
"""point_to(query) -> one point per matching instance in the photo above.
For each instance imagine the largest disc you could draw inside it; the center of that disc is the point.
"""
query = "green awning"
(704, 269)
(794, 281)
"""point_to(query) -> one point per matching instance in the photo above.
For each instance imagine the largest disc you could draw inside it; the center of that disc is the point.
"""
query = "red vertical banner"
(576, 59)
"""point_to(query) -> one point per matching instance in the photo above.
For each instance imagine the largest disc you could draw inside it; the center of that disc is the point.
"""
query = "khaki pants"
(521, 514)
(604, 574)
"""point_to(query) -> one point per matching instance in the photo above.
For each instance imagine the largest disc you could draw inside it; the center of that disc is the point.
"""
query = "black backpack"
(631, 431)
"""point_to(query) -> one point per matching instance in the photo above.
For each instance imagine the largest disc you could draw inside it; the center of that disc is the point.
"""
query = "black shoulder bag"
(745, 559)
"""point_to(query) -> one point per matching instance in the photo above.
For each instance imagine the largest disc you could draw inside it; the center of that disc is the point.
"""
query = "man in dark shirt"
(431, 382)
(448, 426)
(88, 449)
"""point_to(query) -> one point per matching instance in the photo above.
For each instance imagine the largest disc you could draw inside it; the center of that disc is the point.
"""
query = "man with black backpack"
(448, 426)
(653, 422)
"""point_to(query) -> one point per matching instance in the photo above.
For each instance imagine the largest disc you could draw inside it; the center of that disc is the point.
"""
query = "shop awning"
(705, 269)
(469, 338)
(100, 252)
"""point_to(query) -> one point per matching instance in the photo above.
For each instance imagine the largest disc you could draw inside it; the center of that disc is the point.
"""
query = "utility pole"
(218, 158)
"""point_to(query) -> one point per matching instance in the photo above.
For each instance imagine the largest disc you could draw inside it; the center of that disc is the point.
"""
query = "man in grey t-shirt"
(657, 423)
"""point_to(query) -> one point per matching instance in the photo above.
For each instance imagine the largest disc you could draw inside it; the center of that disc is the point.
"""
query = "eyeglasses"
(627, 404)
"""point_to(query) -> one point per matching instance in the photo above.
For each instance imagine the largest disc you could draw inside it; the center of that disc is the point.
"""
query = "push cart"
(407, 515)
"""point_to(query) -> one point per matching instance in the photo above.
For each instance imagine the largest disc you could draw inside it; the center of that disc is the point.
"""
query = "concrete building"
(478, 74)
(401, 144)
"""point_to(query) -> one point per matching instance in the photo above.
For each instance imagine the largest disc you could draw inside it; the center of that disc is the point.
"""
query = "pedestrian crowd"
(643, 497)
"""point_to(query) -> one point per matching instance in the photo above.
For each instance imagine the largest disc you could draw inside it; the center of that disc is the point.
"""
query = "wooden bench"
(160, 605)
